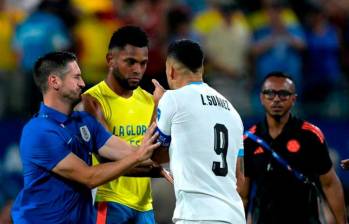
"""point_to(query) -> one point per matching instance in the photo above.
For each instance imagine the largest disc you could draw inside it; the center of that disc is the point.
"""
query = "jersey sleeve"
(165, 113)
(318, 151)
(241, 151)
(247, 157)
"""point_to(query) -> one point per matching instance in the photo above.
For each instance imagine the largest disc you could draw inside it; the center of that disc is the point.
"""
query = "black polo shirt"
(279, 196)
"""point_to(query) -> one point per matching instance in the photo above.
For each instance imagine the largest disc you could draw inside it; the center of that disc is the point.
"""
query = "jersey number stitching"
(221, 148)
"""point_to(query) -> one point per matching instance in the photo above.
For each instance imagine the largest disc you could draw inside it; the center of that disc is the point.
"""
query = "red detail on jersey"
(293, 145)
(252, 130)
(258, 150)
(102, 213)
(310, 127)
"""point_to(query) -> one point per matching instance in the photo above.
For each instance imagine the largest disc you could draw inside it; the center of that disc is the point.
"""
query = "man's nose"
(137, 68)
(277, 98)
(82, 83)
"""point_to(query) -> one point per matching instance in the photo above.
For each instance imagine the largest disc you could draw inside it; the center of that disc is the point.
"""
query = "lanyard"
(277, 157)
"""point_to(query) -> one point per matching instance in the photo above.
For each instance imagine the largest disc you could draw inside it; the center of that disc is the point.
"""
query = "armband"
(164, 139)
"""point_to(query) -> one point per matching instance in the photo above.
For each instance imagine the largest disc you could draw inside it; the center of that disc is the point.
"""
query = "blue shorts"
(112, 213)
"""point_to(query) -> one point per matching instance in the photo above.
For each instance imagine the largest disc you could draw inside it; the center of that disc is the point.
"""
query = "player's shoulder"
(39, 123)
(83, 116)
(175, 96)
(98, 94)
(188, 90)
(39, 130)
(101, 92)
(168, 100)
(311, 129)
(95, 89)
(143, 94)
(252, 129)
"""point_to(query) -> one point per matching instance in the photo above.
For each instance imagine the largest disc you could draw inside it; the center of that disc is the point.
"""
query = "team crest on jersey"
(293, 145)
(85, 133)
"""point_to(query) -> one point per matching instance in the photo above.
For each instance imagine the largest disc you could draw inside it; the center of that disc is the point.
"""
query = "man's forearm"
(333, 191)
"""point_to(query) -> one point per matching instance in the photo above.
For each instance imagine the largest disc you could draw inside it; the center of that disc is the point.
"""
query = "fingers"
(149, 143)
(152, 127)
(150, 130)
(154, 137)
(156, 83)
(152, 141)
(154, 146)
(147, 163)
(167, 175)
(158, 91)
(150, 137)
(345, 164)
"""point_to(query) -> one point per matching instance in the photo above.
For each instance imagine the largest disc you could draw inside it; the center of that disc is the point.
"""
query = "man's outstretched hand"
(158, 91)
(345, 164)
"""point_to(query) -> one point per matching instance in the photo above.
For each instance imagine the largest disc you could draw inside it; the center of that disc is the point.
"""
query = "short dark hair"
(187, 52)
(54, 62)
(131, 35)
(277, 74)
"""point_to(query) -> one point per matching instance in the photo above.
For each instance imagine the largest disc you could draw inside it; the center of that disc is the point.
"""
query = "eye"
(78, 77)
(144, 63)
(130, 62)
(269, 92)
(284, 93)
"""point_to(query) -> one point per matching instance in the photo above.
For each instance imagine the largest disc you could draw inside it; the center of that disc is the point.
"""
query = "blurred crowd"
(243, 41)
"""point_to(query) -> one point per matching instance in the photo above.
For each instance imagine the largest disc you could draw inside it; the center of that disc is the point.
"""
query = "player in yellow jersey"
(126, 110)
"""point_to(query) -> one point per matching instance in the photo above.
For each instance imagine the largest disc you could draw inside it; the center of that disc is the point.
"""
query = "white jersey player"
(204, 134)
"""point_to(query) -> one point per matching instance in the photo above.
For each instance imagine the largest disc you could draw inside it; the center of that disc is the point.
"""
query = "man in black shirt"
(283, 195)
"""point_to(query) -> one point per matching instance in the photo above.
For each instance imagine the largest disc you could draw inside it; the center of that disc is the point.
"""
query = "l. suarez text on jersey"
(213, 100)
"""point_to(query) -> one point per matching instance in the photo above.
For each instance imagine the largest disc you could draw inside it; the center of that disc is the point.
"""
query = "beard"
(124, 83)
(76, 101)
(72, 98)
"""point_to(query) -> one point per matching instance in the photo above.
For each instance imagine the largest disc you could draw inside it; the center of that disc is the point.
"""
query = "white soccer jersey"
(206, 133)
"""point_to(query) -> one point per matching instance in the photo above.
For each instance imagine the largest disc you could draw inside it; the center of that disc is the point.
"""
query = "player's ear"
(172, 72)
(261, 99)
(109, 57)
(53, 81)
(294, 98)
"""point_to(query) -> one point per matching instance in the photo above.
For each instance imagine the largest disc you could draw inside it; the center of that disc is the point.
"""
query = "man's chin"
(276, 111)
(133, 86)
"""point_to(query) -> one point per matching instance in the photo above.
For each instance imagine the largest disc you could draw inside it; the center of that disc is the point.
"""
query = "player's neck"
(276, 125)
(190, 79)
(58, 104)
(117, 88)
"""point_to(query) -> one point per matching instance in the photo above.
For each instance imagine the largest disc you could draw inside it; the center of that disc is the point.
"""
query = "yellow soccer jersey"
(127, 118)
